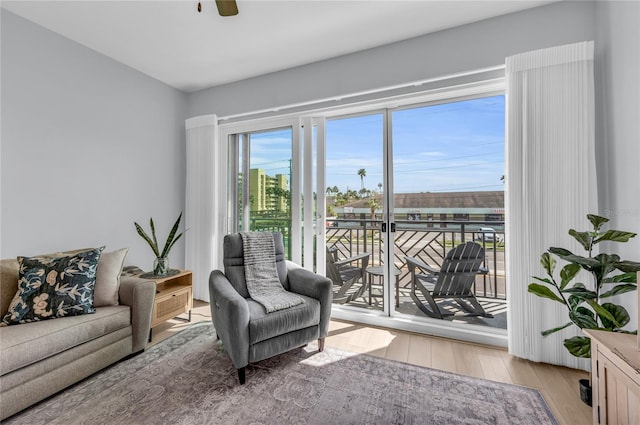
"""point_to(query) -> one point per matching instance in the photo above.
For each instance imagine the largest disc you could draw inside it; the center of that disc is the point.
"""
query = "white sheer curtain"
(550, 185)
(205, 202)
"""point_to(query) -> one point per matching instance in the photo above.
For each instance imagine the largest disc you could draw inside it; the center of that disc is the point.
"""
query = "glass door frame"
(387, 206)
(229, 133)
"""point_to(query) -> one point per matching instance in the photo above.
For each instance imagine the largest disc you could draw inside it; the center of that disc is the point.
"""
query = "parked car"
(487, 234)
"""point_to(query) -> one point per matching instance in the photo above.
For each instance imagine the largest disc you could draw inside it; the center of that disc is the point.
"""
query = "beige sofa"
(41, 358)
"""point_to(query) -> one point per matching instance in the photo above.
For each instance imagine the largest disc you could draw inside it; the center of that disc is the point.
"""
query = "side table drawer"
(171, 304)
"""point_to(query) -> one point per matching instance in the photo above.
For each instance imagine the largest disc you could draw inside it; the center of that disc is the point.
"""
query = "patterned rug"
(189, 379)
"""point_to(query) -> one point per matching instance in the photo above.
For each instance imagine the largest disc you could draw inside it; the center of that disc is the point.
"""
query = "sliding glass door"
(354, 171)
(264, 180)
(414, 182)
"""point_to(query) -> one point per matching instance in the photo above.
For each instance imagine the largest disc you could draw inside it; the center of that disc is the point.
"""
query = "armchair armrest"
(414, 262)
(364, 257)
(139, 294)
(313, 285)
(230, 315)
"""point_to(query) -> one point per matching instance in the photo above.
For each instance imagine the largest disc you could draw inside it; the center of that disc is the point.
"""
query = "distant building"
(268, 193)
(424, 208)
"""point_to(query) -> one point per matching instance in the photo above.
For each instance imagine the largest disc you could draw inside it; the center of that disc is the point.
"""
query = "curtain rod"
(362, 93)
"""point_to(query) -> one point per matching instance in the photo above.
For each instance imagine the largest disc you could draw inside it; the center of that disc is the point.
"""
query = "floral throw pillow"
(54, 287)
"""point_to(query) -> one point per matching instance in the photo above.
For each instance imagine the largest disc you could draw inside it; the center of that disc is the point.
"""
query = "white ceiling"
(172, 42)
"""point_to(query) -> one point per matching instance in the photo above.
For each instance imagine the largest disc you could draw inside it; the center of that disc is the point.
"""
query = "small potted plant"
(587, 306)
(161, 263)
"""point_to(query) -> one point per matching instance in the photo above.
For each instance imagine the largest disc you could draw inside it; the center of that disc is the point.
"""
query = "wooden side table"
(174, 296)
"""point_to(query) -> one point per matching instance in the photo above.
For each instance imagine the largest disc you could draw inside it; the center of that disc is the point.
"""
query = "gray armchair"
(248, 332)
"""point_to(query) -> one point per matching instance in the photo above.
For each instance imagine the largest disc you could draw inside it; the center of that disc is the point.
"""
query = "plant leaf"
(619, 289)
(554, 330)
(544, 292)
(629, 277)
(575, 301)
(579, 346)
(586, 262)
(583, 318)
(560, 252)
(597, 221)
(170, 239)
(548, 262)
(146, 237)
(174, 241)
(567, 273)
(627, 266)
(582, 293)
(614, 236)
(609, 315)
(153, 233)
(544, 279)
(618, 312)
(583, 237)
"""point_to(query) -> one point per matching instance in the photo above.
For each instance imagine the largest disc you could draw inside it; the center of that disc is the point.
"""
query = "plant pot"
(161, 266)
(585, 391)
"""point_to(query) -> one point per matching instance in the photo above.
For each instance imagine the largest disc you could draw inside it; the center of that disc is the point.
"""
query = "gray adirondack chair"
(453, 281)
(347, 275)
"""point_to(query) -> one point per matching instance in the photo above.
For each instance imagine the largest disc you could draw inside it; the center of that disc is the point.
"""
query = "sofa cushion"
(108, 277)
(31, 342)
(8, 283)
(263, 325)
(54, 287)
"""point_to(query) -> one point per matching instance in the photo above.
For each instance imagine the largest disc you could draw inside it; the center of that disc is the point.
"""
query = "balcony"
(430, 242)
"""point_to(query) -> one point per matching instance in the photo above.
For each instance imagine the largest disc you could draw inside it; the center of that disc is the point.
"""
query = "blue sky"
(453, 147)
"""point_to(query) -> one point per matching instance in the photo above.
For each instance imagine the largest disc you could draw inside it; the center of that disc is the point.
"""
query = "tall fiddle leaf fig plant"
(588, 306)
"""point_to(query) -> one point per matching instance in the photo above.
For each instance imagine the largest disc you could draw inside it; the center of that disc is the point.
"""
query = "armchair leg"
(321, 344)
(241, 375)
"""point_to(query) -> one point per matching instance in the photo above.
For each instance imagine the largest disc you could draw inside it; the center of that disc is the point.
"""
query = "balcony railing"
(429, 241)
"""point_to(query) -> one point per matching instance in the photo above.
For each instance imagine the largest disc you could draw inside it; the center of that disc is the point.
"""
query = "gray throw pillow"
(108, 278)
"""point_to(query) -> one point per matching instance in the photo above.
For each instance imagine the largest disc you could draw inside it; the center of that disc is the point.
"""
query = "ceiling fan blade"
(227, 7)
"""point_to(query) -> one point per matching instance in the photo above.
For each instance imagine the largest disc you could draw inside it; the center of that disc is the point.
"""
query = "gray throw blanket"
(261, 274)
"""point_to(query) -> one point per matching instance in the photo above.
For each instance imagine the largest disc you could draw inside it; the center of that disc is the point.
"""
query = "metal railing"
(429, 241)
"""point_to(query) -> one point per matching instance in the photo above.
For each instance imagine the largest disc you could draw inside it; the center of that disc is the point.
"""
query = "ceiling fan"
(225, 7)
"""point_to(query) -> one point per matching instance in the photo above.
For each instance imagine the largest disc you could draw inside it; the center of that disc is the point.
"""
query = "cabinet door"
(619, 395)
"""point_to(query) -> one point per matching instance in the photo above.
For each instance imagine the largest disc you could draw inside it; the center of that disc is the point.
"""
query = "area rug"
(189, 379)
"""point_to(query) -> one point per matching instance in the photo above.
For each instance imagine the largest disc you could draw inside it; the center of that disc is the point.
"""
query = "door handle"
(393, 227)
(384, 227)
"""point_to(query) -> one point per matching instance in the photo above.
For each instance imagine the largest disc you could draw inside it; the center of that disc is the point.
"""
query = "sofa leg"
(241, 375)
(321, 344)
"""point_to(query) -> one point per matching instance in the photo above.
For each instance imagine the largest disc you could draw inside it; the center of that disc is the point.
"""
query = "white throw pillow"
(108, 278)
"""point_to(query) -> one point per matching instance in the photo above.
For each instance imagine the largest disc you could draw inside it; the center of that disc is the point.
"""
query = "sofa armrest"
(230, 316)
(139, 294)
(305, 282)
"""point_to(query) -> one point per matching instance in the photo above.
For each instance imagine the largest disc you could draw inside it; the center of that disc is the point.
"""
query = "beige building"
(268, 193)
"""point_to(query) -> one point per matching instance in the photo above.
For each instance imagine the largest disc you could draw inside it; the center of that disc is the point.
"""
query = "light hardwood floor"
(558, 385)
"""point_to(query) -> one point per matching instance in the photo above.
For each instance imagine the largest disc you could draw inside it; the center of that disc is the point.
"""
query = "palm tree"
(362, 173)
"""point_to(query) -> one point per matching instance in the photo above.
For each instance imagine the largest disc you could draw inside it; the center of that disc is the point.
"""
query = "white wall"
(618, 125)
(461, 49)
(88, 147)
